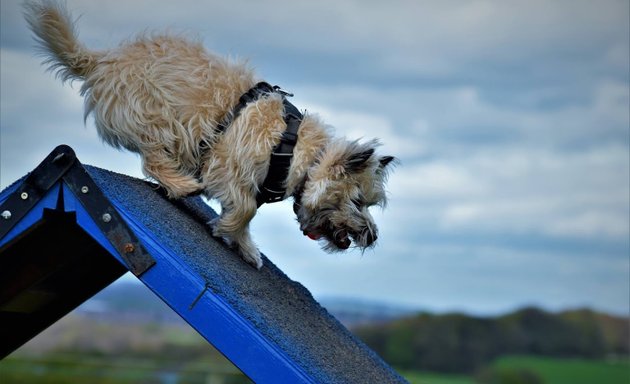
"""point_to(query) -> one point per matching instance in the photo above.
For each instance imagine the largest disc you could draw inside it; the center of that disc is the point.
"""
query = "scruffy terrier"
(203, 124)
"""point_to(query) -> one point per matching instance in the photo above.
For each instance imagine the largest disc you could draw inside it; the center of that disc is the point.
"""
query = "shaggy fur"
(162, 97)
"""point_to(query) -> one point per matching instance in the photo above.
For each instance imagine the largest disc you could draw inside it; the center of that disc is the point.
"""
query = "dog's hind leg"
(177, 182)
(233, 226)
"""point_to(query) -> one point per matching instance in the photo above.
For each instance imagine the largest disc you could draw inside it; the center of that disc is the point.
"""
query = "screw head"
(6, 215)
(129, 248)
(106, 217)
(24, 195)
(85, 189)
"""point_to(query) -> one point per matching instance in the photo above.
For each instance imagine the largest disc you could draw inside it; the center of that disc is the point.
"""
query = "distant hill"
(462, 343)
(129, 302)
(135, 302)
(353, 312)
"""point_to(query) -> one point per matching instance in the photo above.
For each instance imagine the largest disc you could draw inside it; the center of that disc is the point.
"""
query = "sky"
(510, 118)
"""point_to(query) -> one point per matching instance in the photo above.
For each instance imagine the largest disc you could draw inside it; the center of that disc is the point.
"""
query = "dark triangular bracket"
(62, 165)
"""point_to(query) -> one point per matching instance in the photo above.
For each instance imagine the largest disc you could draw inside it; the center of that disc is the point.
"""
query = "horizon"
(407, 310)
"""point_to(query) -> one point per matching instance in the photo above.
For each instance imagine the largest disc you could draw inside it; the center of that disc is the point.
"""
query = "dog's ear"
(385, 160)
(358, 161)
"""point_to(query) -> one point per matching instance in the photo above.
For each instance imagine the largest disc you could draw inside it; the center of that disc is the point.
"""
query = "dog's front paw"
(251, 256)
(242, 244)
(214, 228)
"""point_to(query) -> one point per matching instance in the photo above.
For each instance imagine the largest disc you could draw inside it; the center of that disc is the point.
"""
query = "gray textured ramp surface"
(281, 309)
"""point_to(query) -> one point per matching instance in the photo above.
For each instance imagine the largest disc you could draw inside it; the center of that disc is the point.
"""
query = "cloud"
(37, 113)
(26, 90)
(519, 191)
(401, 41)
(511, 121)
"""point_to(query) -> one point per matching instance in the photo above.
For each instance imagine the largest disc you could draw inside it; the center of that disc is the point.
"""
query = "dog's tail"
(54, 31)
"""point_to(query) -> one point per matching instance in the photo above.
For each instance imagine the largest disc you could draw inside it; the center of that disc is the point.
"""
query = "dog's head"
(333, 205)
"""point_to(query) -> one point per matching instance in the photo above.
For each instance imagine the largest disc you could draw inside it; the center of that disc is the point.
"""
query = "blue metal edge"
(187, 294)
(33, 216)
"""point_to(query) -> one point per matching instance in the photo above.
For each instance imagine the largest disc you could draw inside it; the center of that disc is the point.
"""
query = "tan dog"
(163, 97)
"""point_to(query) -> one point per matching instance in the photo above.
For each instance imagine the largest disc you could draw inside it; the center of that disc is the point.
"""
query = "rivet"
(6, 215)
(129, 248)
(107, 217)
(24, 195)
(85, 189)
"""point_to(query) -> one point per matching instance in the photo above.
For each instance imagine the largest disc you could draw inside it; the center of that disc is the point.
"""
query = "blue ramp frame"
(267, 325)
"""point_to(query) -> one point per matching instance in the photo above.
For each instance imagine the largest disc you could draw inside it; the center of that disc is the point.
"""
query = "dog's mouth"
(313, 235)
(340, 237)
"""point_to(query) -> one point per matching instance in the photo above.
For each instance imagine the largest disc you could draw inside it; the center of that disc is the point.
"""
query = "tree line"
(463, 344)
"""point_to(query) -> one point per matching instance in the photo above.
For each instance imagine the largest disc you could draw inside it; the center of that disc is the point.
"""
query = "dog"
(169, 100)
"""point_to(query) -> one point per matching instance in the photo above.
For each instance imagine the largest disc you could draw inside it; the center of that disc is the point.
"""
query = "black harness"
(272, 189)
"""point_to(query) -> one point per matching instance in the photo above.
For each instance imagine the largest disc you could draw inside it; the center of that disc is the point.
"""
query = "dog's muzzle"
(343, 238)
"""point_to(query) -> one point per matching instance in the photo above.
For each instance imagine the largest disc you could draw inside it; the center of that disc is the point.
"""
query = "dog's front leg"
(233, 226)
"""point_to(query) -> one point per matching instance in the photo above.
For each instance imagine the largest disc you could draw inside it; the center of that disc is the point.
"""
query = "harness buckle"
(278, 89)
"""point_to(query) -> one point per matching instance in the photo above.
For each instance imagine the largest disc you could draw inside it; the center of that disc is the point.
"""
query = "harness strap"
(251, 95)
(272, 189)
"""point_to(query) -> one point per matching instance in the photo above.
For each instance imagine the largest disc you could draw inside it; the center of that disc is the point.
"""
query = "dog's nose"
(370, 237)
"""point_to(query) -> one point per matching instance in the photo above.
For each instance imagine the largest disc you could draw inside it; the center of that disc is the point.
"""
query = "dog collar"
(272, 189)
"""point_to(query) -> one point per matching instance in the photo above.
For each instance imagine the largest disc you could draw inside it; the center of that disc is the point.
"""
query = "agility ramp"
(68, 230)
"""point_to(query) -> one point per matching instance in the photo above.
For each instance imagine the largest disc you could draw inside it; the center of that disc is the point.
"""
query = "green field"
(550, 370)
(571, 371)
(70, 368)
(436, 378)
